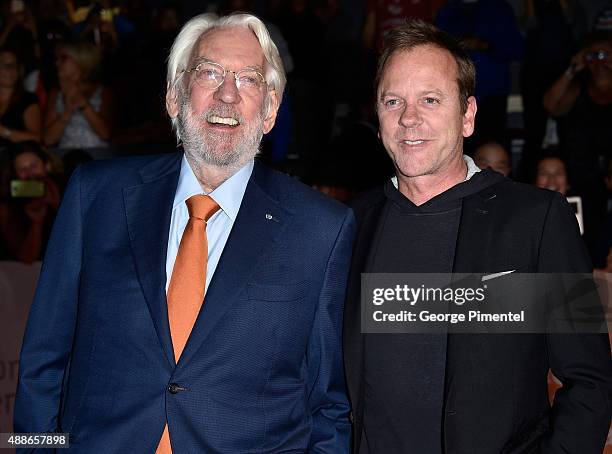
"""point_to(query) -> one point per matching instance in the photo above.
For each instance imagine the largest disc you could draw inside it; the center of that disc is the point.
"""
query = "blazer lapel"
(472, 253)
(259, 222)
(148, 209)
(369, 226)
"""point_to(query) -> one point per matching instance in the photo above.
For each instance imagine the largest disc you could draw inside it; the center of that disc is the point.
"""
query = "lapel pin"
(269, 217)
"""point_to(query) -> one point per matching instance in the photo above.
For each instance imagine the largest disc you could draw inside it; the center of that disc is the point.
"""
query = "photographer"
(27, 215)
(581, 102)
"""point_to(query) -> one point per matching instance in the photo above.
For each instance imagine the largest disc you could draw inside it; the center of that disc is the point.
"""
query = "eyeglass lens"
(211, 75)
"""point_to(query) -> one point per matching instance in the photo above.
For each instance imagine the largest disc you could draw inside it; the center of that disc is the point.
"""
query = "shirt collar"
(472, 169)
(228, 195)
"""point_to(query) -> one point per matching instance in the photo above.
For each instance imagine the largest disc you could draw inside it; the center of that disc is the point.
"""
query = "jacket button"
(173, 388)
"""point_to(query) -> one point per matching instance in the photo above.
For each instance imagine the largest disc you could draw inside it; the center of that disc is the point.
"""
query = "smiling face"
(551, 174)
(224, 126)
(421, 123)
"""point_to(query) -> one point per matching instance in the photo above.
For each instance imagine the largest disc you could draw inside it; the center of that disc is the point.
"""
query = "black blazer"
(497, 400)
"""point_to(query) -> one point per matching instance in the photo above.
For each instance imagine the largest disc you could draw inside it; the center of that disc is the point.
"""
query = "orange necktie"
(187, 285)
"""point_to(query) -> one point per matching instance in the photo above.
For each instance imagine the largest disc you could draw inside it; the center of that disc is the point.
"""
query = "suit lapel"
(472, 252)
(259, 222)
(369, 221)
(148, 209)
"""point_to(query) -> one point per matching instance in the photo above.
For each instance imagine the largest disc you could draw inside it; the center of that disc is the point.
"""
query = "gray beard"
(216, 149)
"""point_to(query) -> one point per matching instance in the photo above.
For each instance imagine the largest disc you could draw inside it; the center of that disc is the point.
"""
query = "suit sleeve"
(327, 399)
(50, 329)
(581, 411)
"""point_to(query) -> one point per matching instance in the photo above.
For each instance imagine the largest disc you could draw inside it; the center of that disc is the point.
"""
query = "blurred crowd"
(82, 80)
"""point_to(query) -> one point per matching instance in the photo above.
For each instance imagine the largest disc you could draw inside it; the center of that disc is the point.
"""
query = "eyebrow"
(436, 92)
(203, 59)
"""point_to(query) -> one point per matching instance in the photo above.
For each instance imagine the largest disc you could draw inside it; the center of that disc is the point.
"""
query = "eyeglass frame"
(225, 71)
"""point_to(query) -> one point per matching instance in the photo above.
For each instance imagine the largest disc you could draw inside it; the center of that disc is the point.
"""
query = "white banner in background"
(17, 285)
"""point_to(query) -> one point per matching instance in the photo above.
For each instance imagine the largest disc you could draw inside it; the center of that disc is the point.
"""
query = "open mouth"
(226, 121)
(413, 142)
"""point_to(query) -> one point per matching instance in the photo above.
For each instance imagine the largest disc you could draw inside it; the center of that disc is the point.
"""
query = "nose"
(410, 117)
(227, 92)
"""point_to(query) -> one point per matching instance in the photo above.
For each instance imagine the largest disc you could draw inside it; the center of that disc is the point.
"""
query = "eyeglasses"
(210, 75)
(599, 55)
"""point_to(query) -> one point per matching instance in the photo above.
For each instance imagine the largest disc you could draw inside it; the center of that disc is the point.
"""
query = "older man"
(120, 349)
(462, 393)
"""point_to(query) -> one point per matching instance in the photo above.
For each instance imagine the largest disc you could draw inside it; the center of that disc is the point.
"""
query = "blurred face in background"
(29, 166)
(551, 174)
(67, 66)
(9, 69)
(598, 59)
(493, 156)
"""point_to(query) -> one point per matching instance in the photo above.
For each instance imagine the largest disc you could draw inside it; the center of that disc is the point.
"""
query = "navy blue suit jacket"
(262, 370)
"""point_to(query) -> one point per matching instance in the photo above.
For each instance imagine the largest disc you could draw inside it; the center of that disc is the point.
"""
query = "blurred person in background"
(19, 32)
(383, 15)
(52, 28)
(492, 155)
(581, 100)
(20, 117)
(489, 31)
(552, 31)
(26, 218)
(79, 113)
(551, 174)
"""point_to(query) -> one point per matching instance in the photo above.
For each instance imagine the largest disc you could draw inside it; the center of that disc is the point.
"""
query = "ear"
(172, 106)
(272, 111)
(469, 117)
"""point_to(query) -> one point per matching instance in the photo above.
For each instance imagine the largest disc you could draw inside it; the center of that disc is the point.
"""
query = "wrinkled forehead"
(233, 47)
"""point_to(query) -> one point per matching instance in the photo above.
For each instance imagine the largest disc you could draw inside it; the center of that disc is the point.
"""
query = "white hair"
(189, 36)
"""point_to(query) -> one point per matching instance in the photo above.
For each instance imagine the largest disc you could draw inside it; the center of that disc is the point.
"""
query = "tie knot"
(201, 207)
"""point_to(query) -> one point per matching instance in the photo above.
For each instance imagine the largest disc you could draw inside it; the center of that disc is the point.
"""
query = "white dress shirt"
(228, 196)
